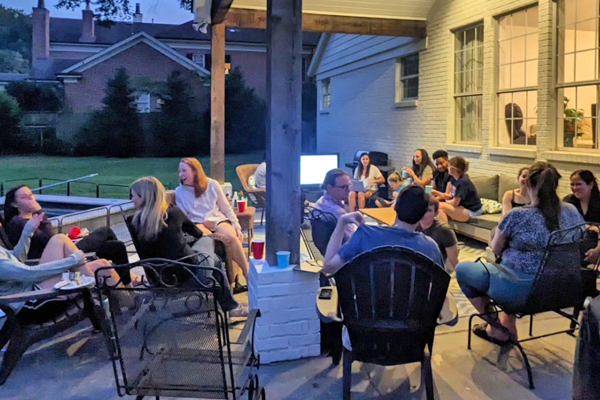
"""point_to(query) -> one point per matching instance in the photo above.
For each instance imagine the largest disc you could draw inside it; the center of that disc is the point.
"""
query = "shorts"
(476, 213)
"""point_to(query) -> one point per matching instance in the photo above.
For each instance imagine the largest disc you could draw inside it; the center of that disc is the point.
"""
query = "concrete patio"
(75, 366)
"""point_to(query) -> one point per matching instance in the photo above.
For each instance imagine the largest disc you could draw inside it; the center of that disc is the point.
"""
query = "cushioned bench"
(489, 187)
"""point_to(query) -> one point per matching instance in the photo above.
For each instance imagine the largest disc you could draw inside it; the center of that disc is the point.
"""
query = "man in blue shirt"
(411, 206)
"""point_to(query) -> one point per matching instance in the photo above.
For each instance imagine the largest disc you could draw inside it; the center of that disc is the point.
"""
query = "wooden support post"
(284, 123)
(217, 105)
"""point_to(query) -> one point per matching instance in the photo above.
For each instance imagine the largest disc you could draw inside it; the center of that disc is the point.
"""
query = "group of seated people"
(530, 214)
(202, 210)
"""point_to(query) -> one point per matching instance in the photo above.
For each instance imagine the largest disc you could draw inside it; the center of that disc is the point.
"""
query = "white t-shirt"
(212, 203)
(374, 173)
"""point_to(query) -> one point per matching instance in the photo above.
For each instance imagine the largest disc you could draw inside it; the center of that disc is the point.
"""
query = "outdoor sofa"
(489, 187)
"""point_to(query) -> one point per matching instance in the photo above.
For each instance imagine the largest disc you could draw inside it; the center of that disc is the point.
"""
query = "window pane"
(411, 88)
(568, 115)
(410, 65)
(586, 35)
(585, 66)
(586, 9)
(568, 68)
(568, 7)
(531, 73)
(504, 77)
(532, 20)
(504, 52)
(458, 87)
(519, 23)
(532, 47)
(469, 38)
(504, 114)
(569, 37)
(518, 49)
(504, 28)
(586, 98)
(480, 35)
(469, 113)
(517, 76)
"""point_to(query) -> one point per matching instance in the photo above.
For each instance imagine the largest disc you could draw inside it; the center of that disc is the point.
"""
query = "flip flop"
(237, 288)
(481, 332)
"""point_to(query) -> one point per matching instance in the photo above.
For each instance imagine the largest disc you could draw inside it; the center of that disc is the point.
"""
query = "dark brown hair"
(332, 176)
(459, 163)
(544, 177)
(588, 177)
(361, 167)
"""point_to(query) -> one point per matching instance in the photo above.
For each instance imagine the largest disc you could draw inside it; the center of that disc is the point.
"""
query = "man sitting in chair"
(411, 206)
(337, 188)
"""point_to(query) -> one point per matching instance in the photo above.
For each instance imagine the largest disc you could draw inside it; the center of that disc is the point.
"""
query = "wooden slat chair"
(258, 196)
(222, 248)
(391, 298)
(557, 286)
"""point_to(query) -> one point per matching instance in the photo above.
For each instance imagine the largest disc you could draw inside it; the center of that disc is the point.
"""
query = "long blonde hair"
(200, 178)
(150, 219)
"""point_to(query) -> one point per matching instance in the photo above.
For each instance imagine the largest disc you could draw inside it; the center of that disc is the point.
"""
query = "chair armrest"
(249, 325)
(44, 294)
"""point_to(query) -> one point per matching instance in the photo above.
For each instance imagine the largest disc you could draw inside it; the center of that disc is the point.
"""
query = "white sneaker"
(238, 314)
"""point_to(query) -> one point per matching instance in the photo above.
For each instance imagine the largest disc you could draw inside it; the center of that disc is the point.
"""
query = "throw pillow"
(491, 206)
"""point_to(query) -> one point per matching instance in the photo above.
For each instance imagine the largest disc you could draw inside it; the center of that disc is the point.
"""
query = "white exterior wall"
(363, 115)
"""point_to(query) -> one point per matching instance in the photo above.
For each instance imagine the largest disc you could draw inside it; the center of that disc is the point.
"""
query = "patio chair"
(557, 286)
(21, 332)
(175, 340)
(322, 225)
(258, 196)
(391, 298)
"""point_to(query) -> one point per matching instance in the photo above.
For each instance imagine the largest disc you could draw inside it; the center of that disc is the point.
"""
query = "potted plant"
(573, 118)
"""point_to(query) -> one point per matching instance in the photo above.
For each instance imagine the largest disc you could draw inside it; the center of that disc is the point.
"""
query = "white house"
(489, 83)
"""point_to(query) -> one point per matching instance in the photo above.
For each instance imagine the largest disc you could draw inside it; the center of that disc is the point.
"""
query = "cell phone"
(325, 294)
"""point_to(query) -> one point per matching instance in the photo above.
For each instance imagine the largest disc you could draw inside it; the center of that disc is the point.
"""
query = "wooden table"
(247, 222)
(385, 216)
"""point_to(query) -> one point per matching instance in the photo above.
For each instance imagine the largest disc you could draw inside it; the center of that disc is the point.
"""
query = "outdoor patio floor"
(75, 366)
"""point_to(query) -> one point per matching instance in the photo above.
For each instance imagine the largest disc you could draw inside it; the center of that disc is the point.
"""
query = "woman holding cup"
(202, 199)
(422, 169)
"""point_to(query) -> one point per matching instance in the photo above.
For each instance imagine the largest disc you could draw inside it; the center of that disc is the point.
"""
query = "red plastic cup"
(74, 233)
(241, 206)
(258, 248)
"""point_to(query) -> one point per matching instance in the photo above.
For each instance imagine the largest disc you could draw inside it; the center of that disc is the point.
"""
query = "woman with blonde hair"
(202, 199)
(159, 227)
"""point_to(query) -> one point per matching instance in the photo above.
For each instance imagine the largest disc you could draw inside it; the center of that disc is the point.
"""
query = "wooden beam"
(246, 18)
(219, 10)
(217, 103)
(284, 127)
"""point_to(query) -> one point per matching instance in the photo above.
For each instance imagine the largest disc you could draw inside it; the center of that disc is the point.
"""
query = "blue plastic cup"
(428, 189)
(283, 259)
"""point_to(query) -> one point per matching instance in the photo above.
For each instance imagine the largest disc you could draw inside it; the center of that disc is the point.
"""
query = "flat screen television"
(314, 167)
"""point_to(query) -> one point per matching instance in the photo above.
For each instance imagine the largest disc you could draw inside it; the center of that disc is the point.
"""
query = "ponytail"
(544, 177)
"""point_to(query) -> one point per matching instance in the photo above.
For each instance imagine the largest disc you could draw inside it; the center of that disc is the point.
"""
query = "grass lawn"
(110, 170)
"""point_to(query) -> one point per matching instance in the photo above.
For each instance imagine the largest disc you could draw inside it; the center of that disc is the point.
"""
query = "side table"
(246, 219)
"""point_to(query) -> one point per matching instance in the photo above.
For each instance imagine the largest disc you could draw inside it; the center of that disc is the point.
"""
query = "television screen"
(314, 167)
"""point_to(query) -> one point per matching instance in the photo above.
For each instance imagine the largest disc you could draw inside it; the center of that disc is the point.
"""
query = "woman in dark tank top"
(517, 197)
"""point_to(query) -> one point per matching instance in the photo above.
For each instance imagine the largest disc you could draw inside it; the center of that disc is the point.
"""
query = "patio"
(75, 365)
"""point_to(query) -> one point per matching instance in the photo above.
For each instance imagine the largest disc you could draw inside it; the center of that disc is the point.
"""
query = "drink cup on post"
(258, 249)
(242, 206)
(283, 259)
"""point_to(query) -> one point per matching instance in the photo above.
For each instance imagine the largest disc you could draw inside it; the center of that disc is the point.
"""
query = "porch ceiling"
(386, 9)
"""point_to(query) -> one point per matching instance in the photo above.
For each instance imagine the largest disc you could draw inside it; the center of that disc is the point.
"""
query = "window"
(518, 77)
(468, 84)
(578, 76)
(325, 94)
(143, 103)
(199, 59)
(407, 78)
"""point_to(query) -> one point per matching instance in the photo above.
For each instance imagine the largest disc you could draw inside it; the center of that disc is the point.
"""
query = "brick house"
(489, 83)
(83, 57)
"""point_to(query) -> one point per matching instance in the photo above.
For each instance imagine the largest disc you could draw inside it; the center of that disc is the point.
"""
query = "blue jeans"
(507, 287)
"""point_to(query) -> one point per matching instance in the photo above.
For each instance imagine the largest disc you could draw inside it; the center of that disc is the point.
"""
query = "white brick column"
(546, 136)
(289, 327)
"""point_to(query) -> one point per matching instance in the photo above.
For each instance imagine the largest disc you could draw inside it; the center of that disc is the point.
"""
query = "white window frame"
(466, 94)
(199, 59)
(500, 122)
(325, 94)
(400, 79)
(143, 103)
(576, 85)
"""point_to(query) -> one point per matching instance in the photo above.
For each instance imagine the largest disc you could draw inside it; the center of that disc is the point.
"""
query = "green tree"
(33, 96)
(245, 115)
(178, 130)
(106, 11)
(115, 131)
(9, 123)
(15, 36)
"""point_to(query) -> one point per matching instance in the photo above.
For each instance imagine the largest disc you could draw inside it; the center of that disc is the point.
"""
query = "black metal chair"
(169, 336)
(322, 225)
(391, 298)
(557, 285)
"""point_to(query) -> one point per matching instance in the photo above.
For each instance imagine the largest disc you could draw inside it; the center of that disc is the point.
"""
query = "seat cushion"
(506, 183)
(486, 221)
(487, 186)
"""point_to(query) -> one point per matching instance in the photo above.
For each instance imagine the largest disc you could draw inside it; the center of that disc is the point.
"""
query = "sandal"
(481, 332)
(237, 288)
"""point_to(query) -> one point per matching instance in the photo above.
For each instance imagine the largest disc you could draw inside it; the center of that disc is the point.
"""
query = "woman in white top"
(422, 169)
(202, 199)
(371, 177)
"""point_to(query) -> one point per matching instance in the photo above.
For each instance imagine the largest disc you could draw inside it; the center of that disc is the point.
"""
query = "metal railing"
(97, 187)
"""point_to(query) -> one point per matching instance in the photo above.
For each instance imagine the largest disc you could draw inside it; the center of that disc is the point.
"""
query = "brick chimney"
(88, 29)
(138, 17)
(40, 48)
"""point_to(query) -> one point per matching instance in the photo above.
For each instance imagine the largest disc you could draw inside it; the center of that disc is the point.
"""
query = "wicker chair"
(391, 298)
(557, 286)
(258, 196)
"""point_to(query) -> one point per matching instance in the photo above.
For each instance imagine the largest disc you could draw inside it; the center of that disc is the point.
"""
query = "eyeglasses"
(343, 187)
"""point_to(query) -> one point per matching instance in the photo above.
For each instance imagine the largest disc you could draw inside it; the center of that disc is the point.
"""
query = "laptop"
(358, 186)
